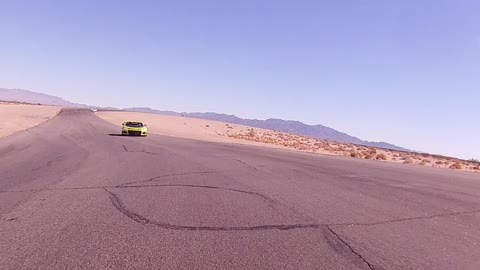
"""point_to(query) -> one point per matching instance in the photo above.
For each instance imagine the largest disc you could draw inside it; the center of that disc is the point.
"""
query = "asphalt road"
(75, 195)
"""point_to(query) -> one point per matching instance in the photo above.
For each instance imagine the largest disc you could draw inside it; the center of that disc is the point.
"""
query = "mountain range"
(40, 98)
(289, 126)
(33, 97)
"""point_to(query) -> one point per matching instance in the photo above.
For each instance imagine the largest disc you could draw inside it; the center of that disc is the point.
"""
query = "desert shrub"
(328, 148)
(439, 162)
(476, 168)
(456, 166)
(355, 154)
(425, 162)
(301, 148)
(251, 133)
(381, 156)
(363, 154)
(408, 160)
(320, 144)
(207, 126)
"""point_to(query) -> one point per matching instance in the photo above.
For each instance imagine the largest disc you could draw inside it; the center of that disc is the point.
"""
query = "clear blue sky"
(405, 72)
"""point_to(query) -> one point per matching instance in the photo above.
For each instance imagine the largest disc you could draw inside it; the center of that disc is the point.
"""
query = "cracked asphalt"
(74, 195)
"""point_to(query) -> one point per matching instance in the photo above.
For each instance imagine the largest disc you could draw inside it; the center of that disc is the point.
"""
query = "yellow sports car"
(134, 129)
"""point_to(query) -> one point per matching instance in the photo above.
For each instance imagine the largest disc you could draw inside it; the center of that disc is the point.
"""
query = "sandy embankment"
(208, 130)
(185, 127)
(17, 117)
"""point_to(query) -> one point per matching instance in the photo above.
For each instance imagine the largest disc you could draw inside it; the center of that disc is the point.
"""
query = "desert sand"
(201, 129)
(16, 117)
(184, 127)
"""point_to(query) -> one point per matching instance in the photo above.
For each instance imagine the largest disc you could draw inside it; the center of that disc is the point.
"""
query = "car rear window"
(134, 124)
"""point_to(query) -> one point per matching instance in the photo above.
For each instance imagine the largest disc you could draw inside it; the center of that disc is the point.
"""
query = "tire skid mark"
(23, 148)
(11, 148)
(48, 164)
(406, 219)
(120, 206)
(125, 149)
(264, 197)
(300, 214)
(246, 164)
(339, 245)
(53, 189)
(157, 178)
(335, 242)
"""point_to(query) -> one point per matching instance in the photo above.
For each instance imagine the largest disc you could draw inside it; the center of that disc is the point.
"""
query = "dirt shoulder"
(17, 117)
(201, 129)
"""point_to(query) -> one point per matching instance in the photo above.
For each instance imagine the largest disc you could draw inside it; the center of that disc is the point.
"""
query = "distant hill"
(295, 127)
(27, 96)
(35, 98)
(148, 110)
(289, 126)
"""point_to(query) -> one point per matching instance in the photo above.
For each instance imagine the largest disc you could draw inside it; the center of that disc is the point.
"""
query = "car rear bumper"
(134, 133)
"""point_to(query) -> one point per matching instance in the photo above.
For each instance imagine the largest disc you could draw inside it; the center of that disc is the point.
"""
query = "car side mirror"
(145, 125)
(123, 124)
